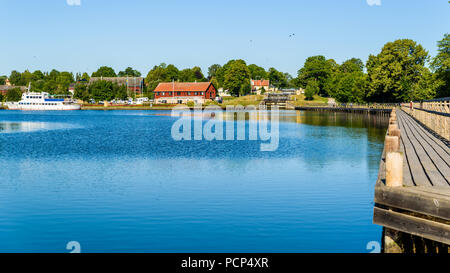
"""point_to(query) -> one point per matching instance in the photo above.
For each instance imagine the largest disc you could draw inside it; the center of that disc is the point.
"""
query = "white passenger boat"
(42, 101)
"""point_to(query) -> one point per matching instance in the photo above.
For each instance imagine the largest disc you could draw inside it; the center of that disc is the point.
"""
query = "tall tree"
(104, 71)
(102, 90)
(237, 77)
(171, 73)
(15, 78)
(81, 92)
(85, 76)
(130, 72)
(63, 80)
(397, 71)
(257, 72)
(312, 88)
(347, 82)
(277, 78)
(352, 65)
(14, 94)
(162, 73)
(317, 68)
(441, 67)
(212, 70)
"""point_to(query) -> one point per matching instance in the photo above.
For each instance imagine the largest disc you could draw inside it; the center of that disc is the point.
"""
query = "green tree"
(396, 71)
(214, 81)
(38, 75)
(52, 75)
(81, 92)
(257, 72)
(130, 72)
(104, 71)
(15, 78)
(245, 89)
(312, 88)
(236, 77)
(85, 77)
(317, 68)
(102, 90)
(14, 94)
(347, 82)
(198, 74)
(63, 80)
(191, 75)
(161, 73)
(3, 80)
(212, 70)
(441, 67)
(350, 87)
(352, 65)
(277, 78)
(120, 92)
(171, 73)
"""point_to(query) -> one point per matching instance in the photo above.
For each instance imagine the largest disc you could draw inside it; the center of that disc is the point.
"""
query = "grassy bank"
(244, 100)
(127, 107)
(299, 100)
(296, 100)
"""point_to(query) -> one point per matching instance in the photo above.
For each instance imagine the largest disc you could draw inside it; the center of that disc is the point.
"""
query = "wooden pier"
(272, 99)
(356, 109)
(412, 193)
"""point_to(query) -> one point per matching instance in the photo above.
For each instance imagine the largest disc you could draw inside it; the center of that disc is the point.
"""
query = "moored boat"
(42, 101)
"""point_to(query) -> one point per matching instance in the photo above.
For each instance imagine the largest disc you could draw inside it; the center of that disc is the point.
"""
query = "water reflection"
(26, 127)
(122, 184)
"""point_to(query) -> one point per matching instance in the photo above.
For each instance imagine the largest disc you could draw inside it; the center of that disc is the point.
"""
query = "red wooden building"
(182, 92)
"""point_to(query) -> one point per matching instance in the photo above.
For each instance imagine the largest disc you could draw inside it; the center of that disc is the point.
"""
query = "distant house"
(134, 84)
(4, 88)
(72, 88)
(258, 85)
(183, 92)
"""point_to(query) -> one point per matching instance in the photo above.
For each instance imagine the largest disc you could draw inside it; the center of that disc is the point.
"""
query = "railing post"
(394, 169)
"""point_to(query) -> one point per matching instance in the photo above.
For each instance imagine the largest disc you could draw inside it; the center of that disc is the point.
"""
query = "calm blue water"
(115, 181)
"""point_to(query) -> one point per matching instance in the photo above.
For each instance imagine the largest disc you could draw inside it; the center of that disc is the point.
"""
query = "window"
(178, 93)
(189, 93)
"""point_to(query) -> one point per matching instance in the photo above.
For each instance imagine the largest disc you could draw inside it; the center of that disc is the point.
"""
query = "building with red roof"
(182, 92)
(258, 85)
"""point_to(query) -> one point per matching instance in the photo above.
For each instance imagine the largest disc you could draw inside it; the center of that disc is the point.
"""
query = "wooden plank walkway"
(421, 206)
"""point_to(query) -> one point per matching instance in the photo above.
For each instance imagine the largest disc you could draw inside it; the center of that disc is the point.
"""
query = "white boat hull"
(42, 101)
(60, 107)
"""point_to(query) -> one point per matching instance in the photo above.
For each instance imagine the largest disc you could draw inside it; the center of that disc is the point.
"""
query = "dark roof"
(183, 86)
(132, 81)
(7, 87)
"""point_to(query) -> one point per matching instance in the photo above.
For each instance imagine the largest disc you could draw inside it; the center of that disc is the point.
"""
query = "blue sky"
(47, 34)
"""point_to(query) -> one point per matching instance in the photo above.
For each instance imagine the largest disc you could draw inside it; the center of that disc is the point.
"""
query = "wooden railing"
(367, 105)
(435, 114)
